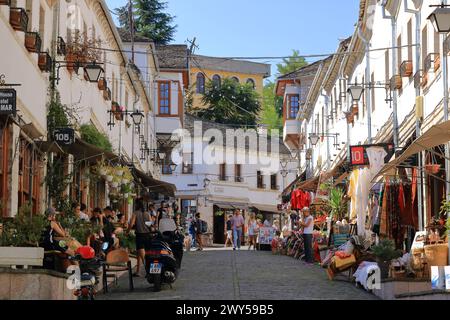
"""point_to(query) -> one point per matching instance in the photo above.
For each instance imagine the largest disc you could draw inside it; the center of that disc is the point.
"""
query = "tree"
(150, 20)
(294, 62)
(231, 103)
(269, 113)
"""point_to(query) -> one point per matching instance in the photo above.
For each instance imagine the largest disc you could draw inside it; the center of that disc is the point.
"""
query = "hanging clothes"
(376, 156)
(362, 196)
(352, 191)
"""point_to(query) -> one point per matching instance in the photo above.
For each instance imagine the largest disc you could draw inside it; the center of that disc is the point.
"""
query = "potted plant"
(5, 2)
(102, 84)
(337, 203)
(432, 168)
(18, 19)
(385, 252)
(19, 239)
(33, 42)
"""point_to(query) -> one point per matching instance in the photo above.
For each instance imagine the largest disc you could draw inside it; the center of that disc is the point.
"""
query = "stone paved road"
(233, 275)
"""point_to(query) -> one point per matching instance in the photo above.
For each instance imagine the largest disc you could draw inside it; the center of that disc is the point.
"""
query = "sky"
(261, 28)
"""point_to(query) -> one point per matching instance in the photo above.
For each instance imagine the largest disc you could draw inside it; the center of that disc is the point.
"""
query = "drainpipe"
(394, 70)
(367, 80)
(421, 204)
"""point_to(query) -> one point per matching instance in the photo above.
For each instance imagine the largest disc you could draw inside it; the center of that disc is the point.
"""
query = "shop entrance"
(219, 225)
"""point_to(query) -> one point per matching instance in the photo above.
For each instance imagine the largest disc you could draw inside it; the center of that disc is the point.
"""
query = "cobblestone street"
(234, 275)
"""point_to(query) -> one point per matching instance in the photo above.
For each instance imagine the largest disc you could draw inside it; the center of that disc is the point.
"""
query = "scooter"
(89, 271)
(163, 258)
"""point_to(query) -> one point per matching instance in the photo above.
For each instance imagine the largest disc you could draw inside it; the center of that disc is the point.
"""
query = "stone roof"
(206, 125)
(173, 56)
(230, 65)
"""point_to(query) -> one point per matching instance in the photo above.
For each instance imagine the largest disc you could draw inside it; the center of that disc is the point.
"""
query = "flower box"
(61, 47)
(437, 62)
(396, 82)
(15, 256)
(102, 84)
(72, 62)
(406, 69)
(45, 62)
(107, 94)
(33, 42)
(432, 168)
(18, 19)
(5, 2)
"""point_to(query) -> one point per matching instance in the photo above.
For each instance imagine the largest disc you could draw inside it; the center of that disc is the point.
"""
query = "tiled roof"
(172, 56)
(230, 65)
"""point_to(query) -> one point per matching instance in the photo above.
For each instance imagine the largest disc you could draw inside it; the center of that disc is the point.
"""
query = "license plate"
(155, 268)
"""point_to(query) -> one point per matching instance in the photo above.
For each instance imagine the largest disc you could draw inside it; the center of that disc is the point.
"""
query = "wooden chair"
(117, 261)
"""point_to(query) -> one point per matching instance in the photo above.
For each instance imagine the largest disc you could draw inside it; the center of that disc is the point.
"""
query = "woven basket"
(437, 255)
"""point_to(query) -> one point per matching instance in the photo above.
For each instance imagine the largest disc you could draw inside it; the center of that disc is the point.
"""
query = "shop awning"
(88, 152)
(437, 135)
(310, 184)
(155, 185)
(225, 206)
(49, 146)
(266, 208)
(293, 183)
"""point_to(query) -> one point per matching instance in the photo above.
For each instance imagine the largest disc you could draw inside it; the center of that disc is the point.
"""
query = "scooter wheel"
(157, 283)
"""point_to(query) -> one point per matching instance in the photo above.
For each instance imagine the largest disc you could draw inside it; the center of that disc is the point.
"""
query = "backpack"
(203, 226)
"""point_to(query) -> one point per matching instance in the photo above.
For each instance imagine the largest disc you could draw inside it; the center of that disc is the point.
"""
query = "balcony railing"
(188, 169)
(45, 62)
(396, 82)
(432, 60)
(238, 179)
(261, 186)
(420, 79)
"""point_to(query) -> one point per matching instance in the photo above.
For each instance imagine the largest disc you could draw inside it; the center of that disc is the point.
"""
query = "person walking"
(198, 232)
(237, 223)
(229, 233)
(308, 227)
(252, 231)
(139, 219)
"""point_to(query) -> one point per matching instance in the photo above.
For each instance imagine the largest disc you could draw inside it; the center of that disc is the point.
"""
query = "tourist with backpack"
(199, 230)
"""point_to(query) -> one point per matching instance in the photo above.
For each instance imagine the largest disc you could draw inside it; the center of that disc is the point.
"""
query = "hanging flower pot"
(125, 195)
(103, 172)
(432, 168)
(109, 178)
(119, 172)
(33, 42)
(114, 184)
(125, 181)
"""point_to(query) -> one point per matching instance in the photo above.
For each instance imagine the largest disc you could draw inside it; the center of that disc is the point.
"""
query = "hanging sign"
(64, 136)
(8, 100)
(358, 154)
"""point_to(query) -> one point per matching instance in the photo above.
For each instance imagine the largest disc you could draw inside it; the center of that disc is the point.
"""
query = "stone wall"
(33, 284)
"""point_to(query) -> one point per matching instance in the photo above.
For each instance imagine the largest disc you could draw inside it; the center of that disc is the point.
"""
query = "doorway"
(219, 225)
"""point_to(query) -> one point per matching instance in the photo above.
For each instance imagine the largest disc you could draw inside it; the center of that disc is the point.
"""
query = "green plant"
(127, 241)
(91, 135)
(219, 213)
(445, 211)
(385, 251)
(25, 230)
(57, 115)
(337, 203)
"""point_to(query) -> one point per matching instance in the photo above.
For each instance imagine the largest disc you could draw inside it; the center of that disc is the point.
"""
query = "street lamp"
(173, 167)
(137, 118)
(206, 182)
(93, 72)
(440, 18)
(356, 92)
(314, 139)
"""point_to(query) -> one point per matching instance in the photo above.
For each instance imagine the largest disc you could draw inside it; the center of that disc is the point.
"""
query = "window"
(223, 172)
(164, 98)
(251, 82)
(372, 80)
(235, 79)
(188, 161)
(4, 165)
(424, 46)
(410, 40)
(217, 81)
(237, 173)
(386, 66)
(273, 182)
(399, 51)
(200, 83)
(29, 10)
(260, 180)
(294, 106)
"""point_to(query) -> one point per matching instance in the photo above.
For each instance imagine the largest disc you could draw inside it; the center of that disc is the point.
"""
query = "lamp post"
(93, 71)
(440, 18)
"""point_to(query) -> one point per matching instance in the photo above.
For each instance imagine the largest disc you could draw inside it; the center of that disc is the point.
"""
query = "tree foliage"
(270, 115)
(294, 62)
(150, 20)
(231, 103)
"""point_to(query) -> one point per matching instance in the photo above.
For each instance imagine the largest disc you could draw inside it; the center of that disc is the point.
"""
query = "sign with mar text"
(8, 101)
